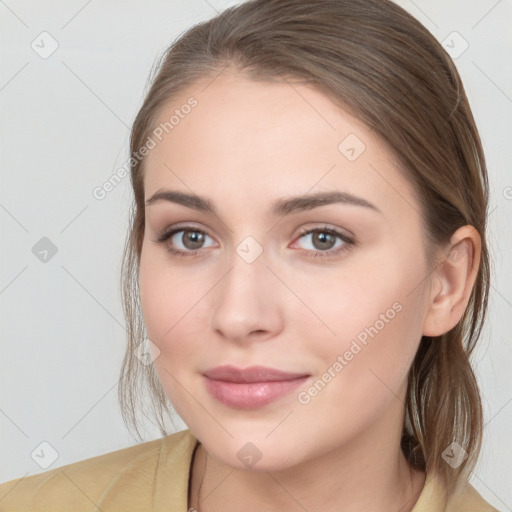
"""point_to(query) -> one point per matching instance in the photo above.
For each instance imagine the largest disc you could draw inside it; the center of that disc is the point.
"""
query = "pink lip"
(252, 387)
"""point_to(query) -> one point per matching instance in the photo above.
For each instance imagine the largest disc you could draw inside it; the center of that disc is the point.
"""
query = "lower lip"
(251, 395)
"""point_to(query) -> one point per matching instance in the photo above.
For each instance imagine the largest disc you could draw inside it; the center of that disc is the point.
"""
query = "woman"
(307, 263)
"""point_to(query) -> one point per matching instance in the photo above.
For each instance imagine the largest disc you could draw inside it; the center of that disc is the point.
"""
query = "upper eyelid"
(338, 232)
(302, 230)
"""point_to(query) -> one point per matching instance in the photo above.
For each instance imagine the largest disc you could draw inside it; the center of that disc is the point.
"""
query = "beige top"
(154, 476)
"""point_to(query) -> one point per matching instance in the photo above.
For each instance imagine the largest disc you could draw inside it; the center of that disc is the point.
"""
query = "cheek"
(340, 304)
(167, 301)
(375, 312)
(174, 304)
(358, 382)
(371, 363)
(164, 296)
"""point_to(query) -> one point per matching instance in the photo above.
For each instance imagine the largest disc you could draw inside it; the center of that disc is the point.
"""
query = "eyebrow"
(280, 208)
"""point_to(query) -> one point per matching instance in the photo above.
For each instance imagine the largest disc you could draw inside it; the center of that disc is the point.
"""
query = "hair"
(383, 66)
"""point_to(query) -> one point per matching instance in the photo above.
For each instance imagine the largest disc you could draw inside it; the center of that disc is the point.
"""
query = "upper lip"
(251, 374)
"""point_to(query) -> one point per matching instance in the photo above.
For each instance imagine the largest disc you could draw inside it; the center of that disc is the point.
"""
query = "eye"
(188, 241)
(325, 242)
(184, 241)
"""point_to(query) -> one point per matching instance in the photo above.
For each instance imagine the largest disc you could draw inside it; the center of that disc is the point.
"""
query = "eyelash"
(348, 242)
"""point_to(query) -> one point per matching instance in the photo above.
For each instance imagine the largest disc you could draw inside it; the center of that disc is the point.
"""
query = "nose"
(247, 305)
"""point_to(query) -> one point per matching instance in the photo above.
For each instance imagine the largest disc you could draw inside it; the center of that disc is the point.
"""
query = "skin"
(246, 145)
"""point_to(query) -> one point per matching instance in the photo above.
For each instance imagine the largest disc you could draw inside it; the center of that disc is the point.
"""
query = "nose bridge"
(244, 302)
(248, 268)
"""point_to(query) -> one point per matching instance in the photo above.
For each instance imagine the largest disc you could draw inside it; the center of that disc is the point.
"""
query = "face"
(329, 290)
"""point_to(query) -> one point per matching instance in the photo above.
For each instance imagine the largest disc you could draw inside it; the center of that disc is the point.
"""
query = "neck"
(368, 473)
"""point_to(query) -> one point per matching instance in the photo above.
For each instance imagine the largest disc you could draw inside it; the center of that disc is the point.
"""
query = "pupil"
(193, 240)
(323, 240)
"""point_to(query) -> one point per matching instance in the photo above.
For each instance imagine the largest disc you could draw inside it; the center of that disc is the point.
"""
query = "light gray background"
(64, 129)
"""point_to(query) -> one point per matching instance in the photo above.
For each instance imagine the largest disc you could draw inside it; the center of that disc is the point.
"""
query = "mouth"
(250, 388)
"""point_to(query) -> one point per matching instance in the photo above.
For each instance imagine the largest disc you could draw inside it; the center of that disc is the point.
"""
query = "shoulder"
(434, 498)
(87, 483)
(468, 499)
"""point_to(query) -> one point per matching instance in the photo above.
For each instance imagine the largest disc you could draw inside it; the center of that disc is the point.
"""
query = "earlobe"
(452, 282)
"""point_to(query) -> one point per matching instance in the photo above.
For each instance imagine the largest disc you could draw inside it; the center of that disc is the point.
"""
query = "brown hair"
(378, 62)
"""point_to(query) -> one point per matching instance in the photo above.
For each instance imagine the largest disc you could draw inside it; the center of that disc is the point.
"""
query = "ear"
(452, 281)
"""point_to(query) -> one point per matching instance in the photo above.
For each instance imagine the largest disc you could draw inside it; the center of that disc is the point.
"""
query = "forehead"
(271, 138)
(236, 118)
